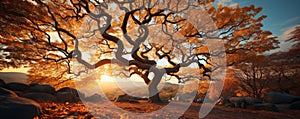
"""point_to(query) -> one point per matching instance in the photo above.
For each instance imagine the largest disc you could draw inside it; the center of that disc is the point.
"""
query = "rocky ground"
(79, 111)
(22, 101)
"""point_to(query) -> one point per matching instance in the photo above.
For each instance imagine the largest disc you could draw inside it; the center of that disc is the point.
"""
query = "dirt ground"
(79, 111)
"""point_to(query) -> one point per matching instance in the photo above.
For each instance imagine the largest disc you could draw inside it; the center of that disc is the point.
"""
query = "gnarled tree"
(135, 35)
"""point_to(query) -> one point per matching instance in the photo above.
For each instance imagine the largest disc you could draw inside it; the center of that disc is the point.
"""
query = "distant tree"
(56, 34)
(254, 75)
(285, 77)
(286, 66)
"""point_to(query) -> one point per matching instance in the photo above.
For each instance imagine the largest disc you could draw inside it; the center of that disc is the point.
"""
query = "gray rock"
(42, 88)
(252, 101)
(6, 92)
(18, 108)
(266, 106)
(236, 99)
(280, 98)
(224, 101)
(239, 102)
(2, 83)
(17, 87)
(63, 97)
(40, 97)
(295, 105)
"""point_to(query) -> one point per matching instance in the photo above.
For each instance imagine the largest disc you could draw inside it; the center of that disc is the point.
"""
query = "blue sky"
(282, 16)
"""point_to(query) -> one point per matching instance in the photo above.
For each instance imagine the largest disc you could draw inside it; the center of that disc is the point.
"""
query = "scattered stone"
(6, 92)
(40, 97)
(18, 108)
(17, 86)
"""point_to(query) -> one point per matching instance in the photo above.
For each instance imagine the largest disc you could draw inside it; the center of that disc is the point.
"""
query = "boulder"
(2, 83)
(42, 88)
(238, 102)
(280, 98)
(40, 97)
(63, 97)
(67, 89)
(94, 98)
(283, 106)
(19, 93)
(17, 87)
(266, 106)
(18, 108)
(252, 101)
(295, 105)
(6, 92)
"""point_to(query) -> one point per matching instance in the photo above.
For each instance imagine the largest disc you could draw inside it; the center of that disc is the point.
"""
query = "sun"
(106, 78)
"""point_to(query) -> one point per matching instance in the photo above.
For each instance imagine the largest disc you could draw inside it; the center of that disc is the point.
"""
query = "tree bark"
(152, 87)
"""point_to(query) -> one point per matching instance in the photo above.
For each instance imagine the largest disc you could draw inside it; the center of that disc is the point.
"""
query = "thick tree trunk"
(152, 87)
(155, 98)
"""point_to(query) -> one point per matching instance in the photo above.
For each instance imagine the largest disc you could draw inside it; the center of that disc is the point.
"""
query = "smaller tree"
(253, 75)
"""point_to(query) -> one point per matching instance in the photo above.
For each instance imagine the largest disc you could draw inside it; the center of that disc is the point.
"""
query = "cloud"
(286, 33)
(226, 2)
(290, 20)
(284, 44)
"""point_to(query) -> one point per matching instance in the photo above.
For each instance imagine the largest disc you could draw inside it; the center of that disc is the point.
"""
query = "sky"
(282, 16)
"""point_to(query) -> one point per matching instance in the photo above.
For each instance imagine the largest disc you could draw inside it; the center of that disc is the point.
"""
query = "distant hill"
(8, 77)
(136, 89)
